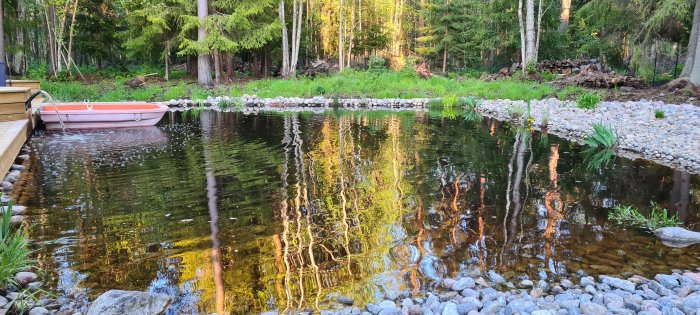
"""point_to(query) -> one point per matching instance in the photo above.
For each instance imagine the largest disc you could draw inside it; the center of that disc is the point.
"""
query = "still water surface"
(238, 213)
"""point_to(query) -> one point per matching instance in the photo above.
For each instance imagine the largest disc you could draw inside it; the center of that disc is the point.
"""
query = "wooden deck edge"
(11, 142)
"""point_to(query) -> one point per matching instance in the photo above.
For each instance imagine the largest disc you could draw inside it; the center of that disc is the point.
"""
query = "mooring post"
(3, 74)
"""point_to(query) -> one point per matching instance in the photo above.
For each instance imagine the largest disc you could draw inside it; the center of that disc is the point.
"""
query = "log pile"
(568, 66)
(591, 76)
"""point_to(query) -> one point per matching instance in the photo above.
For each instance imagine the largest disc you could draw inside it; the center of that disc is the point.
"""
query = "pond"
(246, 213)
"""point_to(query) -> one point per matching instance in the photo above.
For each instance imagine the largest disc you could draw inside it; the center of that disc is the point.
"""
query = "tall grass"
(14, 249)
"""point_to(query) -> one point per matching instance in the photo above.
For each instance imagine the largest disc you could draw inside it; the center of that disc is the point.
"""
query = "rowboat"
(88, 115)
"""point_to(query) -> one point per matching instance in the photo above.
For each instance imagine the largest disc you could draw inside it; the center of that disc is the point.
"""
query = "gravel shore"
(490, 293)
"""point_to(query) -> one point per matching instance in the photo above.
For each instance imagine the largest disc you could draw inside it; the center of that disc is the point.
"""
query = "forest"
(223, 41)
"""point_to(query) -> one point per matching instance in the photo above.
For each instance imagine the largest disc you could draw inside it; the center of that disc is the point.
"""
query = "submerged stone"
(118, 302)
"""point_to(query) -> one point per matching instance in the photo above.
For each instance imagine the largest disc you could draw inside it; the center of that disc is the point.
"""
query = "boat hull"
(101, 115)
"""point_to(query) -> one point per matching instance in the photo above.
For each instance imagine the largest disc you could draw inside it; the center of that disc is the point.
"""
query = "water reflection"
(237, 214)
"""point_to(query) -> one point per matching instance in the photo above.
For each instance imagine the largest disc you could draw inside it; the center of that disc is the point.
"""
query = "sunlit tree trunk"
(692, 42)
(340, 36)
(203, 67)
(565, 14)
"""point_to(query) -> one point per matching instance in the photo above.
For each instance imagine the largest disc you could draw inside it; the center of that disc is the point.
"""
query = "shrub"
(376, 64)
(659, 114)
(657, 218)
(588, 100)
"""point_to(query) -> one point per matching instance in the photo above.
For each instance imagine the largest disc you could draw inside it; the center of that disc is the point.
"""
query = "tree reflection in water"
(238, 214)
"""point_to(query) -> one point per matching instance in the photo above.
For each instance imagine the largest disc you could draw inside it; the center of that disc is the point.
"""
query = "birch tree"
(291, 57)
(203, 67)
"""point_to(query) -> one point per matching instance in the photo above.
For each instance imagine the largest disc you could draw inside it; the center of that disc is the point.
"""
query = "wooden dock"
(13, 134)
(16, 122)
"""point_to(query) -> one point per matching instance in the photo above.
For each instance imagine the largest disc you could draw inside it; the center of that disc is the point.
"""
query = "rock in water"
(677, 237)
(118, 302)
(24, 278)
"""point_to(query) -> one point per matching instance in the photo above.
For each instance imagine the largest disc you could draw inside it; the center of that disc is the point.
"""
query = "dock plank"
(13, 134)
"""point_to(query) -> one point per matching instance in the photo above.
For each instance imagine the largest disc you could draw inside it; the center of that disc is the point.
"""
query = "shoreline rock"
(677, 236)
(665, 294)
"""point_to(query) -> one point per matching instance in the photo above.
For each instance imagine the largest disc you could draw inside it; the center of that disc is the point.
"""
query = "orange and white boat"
(89, 115)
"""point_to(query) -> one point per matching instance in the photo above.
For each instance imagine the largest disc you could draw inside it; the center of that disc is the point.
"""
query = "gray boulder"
(463, 283)
(118, 302)
(677, 237)
(24, 278)
(618, 283)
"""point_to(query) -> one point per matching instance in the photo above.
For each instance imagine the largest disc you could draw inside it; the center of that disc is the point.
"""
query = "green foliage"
(588, 100)
(376, 64)
(659, 114)
(238, 25)
(14, 249)
(516, 112)
(471, 104)
(631, 216)
(602, 142)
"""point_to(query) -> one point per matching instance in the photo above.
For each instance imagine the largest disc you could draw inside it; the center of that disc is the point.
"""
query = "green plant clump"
(14, 249)
(588, 100)
(602, 142)
(657, 218)
(659, 114)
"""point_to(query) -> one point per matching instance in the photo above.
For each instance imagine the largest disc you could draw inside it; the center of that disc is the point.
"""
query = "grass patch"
(659, 114)
(588, 100)
(631, 216)
(346, 84)
(602, 142)
(14, 249)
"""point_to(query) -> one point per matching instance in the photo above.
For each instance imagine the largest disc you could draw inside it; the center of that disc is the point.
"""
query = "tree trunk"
(285, 41)
(18, 60)
(203, 67)
(530, 53)
(50, 15)
(69, 58)
(540, 13)
(565, 13)
(340, 36)
(229, 65)
(444, 54)
(166, 56)
(217, 66)
(521, 23)
(693, 42)
(695, 73)
(296, 42)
